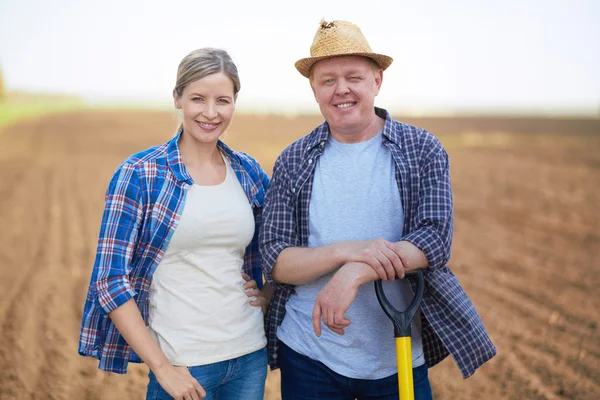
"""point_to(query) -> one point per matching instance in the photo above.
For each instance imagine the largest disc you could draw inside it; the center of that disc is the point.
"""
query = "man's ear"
(378, 80)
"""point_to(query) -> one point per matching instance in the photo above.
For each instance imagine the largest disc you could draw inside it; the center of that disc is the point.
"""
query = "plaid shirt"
(144, 202)
(451, 324)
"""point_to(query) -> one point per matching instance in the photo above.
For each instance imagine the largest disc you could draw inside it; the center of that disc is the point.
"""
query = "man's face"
(345, 88)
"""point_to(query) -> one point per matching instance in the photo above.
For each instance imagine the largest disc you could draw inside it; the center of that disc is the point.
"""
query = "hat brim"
(305, 64)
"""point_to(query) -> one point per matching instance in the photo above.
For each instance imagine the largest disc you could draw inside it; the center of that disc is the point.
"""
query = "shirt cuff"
(269, 257)
(429, 242)
(113, 293)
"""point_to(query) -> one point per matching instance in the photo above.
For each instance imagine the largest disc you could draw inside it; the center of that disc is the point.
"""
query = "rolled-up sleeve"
(434, 220)
(278, 223)
(117, 240)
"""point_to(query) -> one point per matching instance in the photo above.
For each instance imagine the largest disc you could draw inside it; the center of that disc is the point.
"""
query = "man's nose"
(342, 87)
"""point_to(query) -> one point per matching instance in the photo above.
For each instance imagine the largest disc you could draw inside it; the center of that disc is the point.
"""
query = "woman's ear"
(176, 100)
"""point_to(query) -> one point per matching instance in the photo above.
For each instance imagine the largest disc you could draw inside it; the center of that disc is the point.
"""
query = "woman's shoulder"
(149, 155)
(252, 168)
(141, 166)
(247, 160)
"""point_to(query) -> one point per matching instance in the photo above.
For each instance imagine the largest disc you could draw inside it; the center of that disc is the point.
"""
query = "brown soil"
(526, 248)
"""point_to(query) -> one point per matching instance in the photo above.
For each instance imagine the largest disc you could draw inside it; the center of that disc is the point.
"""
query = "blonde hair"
(203, 62)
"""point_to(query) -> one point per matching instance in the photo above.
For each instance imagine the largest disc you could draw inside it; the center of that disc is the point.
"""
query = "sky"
(511, 56)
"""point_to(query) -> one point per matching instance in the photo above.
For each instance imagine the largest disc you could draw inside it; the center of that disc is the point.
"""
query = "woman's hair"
(201, 63)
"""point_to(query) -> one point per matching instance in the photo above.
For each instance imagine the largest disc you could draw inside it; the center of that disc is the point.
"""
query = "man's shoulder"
(412, 131)
(411, 136)
(402, 133)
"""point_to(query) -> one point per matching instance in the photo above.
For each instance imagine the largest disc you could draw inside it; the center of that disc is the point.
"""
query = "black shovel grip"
(401, 319)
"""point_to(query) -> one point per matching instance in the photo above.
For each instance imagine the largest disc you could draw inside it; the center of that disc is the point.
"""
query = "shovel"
(402, 321)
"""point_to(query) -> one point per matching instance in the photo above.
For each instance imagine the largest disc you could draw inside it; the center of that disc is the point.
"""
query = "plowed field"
(526, 248)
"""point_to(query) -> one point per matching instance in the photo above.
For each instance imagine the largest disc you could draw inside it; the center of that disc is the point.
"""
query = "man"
(361, 198)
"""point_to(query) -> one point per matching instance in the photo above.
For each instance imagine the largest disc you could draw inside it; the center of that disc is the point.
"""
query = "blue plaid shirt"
(144, 202)
(450, 323)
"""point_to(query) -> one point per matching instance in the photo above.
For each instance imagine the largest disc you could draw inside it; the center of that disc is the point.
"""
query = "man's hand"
(379, 254)
(410, 256)
(335, 298)
(179, 383)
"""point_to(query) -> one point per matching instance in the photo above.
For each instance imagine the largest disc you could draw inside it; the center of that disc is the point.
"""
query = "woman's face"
(207, 105)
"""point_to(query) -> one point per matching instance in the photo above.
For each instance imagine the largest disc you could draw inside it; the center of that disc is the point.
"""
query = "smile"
(345, 105)
(207, 125)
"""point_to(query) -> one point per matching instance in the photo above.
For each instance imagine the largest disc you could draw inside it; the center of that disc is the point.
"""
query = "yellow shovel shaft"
(405, 371)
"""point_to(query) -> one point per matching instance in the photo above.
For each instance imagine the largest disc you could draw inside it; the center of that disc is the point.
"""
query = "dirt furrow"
(84, 381)
(60, 322)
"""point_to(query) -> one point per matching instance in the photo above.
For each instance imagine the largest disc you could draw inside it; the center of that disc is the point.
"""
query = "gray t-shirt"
(355, 196)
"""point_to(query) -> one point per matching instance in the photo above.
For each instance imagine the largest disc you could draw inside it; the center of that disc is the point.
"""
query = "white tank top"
(199, 312)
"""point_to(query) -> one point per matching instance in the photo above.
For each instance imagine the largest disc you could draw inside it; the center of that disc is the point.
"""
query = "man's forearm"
(301, 265)
(412, 257)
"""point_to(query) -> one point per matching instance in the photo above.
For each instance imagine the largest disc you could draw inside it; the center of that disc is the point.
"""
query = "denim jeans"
(303, 378)
(239, 378)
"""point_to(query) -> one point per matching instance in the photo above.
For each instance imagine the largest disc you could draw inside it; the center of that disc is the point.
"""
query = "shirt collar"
(391, 131)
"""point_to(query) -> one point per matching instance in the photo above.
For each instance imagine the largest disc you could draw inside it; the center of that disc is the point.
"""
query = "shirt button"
(310, 160)
(293, 190)
(322, 143)
(274, 355)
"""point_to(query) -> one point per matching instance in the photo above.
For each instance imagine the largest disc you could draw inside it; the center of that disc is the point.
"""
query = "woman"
(176, 280)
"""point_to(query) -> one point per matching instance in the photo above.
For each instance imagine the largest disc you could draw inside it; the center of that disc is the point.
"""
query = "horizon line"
(291, 109)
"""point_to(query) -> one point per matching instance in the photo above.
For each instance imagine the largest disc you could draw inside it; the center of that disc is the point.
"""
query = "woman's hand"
(257, 297)
(179, 383)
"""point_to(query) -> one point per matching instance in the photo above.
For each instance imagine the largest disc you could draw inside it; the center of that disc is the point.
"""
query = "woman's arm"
(258, 297)
(177, 381)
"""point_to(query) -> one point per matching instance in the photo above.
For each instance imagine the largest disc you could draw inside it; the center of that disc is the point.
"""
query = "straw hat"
(339, 38)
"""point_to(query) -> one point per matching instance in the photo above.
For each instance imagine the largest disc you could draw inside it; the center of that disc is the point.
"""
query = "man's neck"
(361, 134)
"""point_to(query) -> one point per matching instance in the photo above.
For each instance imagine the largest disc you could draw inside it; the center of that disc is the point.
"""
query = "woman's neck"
(197, 154)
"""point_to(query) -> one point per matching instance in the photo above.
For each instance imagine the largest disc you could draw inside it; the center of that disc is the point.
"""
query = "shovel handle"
(401, 319)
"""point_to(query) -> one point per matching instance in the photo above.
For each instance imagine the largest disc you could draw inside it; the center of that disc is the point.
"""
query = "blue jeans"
(239, 378)
(303, 378)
